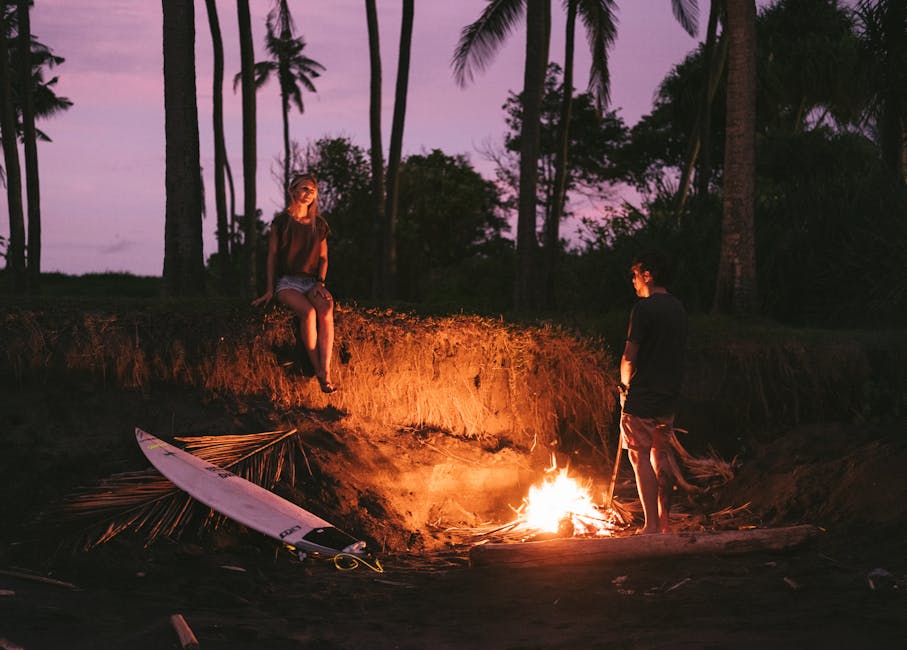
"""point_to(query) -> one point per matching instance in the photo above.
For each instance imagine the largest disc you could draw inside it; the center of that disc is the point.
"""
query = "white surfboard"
(246, 502)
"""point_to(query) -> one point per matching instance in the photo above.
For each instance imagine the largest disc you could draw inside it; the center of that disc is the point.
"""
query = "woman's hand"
(263, 300)
(321, 291)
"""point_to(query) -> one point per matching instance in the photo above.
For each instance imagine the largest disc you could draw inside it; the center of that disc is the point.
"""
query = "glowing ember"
(561, 504)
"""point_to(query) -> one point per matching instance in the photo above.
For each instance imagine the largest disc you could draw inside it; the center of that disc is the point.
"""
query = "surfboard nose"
(355, 549)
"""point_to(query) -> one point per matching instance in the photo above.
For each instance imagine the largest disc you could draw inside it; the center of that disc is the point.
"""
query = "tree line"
(771, 167)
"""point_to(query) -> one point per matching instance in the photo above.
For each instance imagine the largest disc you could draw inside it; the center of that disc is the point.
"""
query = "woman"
(298, 262)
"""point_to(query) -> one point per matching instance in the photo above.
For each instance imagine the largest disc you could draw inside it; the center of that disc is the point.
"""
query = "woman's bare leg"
(323, 303)
(308, 330)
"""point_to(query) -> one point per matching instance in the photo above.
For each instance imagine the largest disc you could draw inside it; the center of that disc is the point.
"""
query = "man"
(651, 370)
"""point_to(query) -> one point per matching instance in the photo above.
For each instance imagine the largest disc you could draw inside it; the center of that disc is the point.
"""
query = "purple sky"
(103, 174)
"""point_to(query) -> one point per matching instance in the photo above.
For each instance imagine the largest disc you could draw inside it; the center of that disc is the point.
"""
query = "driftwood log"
(637, 547)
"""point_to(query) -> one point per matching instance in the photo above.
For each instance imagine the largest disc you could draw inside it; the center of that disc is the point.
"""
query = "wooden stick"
(183, 631)
(37, 578)
(609, 497)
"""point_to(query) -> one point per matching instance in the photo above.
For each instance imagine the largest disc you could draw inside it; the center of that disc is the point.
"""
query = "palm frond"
(280, 14)
(711, 470)
(687, 14)
(601, 30)
(262, 72)
(287, 60)
(294, 95)
(480, 40)
(147, 503)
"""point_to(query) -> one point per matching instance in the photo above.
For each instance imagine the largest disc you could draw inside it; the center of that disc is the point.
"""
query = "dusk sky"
(102, 177)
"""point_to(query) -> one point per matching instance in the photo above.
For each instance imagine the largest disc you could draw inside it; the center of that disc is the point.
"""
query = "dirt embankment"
(442, 423)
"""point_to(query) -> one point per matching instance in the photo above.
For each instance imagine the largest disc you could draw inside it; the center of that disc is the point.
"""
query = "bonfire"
(558, 506)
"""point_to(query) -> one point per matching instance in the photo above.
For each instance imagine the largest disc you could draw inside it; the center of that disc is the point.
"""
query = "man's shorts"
(641, 434)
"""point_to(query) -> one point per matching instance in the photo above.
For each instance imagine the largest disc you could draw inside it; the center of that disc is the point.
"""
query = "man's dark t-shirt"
(658, 324)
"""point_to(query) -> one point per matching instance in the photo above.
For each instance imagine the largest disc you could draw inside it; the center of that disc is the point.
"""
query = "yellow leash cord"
(356, 561)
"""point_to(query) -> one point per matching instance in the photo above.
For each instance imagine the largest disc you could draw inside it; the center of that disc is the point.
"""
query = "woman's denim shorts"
(301, 283)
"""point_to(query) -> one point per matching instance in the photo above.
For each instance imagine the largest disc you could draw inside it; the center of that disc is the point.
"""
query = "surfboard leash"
(355, 561)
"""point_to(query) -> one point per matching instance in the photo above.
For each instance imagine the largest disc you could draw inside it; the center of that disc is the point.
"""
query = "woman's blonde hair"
(296, 181)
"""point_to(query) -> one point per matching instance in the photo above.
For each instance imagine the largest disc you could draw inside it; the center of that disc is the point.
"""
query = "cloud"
(117, 247)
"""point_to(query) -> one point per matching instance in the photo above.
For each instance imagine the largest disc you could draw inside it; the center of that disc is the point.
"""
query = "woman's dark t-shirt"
(298, 245)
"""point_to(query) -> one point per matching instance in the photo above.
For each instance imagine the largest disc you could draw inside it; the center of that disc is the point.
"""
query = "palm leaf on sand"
(149, 504)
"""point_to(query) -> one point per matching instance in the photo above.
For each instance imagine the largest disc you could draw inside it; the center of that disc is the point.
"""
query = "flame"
(560, 499)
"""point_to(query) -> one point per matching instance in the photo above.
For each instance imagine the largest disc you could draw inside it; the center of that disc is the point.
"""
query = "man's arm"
(628, 362)
(627, 368)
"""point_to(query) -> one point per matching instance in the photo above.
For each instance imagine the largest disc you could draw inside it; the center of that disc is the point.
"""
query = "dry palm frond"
(148, 503)
(711, 470)
(731, 511)
(625, 512)
(733, 517)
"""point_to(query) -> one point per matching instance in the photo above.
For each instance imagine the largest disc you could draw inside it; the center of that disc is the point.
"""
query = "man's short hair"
(656, 263)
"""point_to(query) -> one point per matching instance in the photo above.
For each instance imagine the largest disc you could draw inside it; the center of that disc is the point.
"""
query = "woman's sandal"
(326, 386)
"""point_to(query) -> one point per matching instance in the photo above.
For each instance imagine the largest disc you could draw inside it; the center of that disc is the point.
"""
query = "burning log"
(614, 549)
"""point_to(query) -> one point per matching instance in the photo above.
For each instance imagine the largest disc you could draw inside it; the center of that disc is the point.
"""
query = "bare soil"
(238, 590)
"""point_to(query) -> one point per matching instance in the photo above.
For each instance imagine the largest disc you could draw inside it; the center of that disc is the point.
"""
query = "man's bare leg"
(661, 462)
(647, 486)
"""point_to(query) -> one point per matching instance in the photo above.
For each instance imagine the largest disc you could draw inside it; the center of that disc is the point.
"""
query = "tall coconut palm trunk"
(283, 73)
(698, 153)
(183, 258)
(15, 254)
(249, 143)
(555, 212)
(736, 286)
(538, 31)
(377, 160)
(285, 124)
(715, 60)
(30, 149)
(894, 111)
(477, 43)
(396, 148)
(220, 148)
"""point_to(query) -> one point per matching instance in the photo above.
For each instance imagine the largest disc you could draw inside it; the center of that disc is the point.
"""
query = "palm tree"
(183, 258)
(220, 148)
(554, 213)
(15, 255)
(375, 150)
(883, 33)
(291, 67)
(249, 141)
(736, 285)
(32, 98)
(714, 56)
(30, 148)
(396, 147)
(478, 43)
(598, 16)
